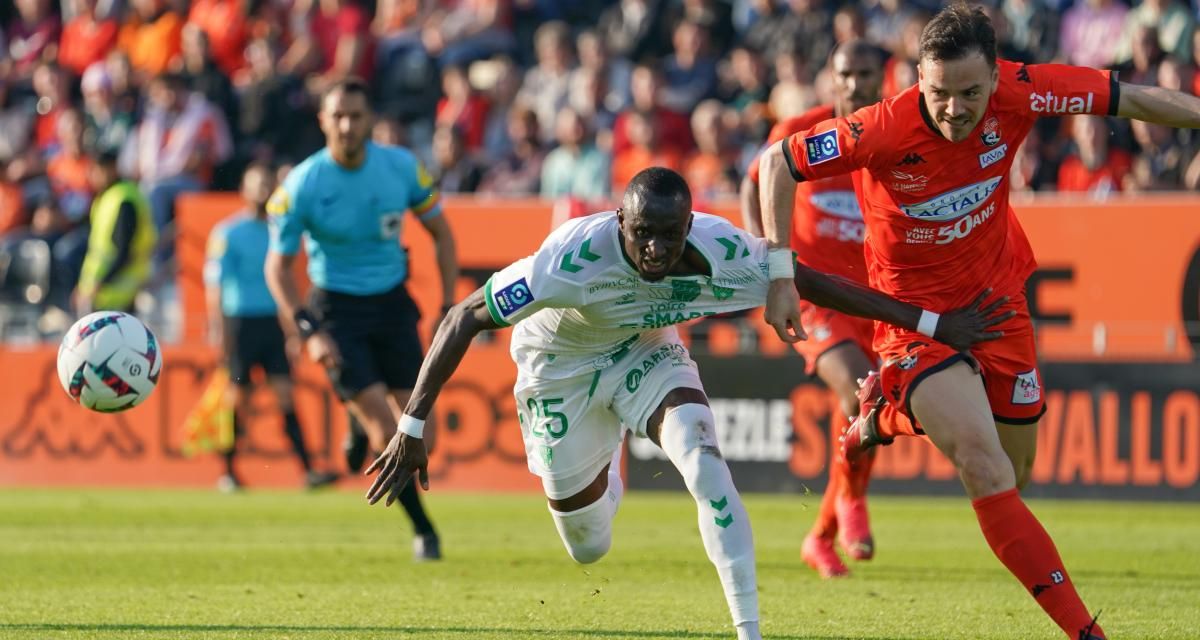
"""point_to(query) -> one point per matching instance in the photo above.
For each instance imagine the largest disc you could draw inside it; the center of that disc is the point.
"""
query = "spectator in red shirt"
(50, 84)
(462, 107)
(643, 151)
(68, 169)
(32, 36)
(225, 24)
(1093, 167)
(151, 38)
(672, 129)
(86, 39)
(338, 44)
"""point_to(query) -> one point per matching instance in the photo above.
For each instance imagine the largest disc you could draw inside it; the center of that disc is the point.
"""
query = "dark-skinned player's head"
(956, 69)
(655, 218)
(857, 68)
(345, 119)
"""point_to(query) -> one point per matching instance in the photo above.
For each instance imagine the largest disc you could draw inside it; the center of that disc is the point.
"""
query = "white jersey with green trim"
(578, 302)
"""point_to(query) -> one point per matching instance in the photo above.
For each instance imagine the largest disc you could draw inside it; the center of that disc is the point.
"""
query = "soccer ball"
(109, 361)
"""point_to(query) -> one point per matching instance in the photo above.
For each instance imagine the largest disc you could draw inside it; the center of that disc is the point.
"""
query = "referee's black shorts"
(254, 340)
(376, 336)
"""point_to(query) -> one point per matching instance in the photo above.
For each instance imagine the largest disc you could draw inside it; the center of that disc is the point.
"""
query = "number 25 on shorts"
(555, 421)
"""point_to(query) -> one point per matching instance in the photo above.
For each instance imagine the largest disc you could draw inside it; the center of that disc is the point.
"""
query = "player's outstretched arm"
(960, 328)
(777, 190)
(406, 454)
(1159, 105)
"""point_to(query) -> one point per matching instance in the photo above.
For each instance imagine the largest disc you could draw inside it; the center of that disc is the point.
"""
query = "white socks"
(587, 532)
(689, 439)
(616, 486)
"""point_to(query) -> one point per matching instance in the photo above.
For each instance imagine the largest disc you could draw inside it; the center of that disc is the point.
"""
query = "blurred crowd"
(557, 98)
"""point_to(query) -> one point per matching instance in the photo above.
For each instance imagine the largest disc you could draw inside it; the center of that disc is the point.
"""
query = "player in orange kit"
(827, 235)
(934, 237)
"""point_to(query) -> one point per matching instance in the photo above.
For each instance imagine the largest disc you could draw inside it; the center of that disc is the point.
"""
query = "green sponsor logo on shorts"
(547, 456)
(633, 378)
(722, 293)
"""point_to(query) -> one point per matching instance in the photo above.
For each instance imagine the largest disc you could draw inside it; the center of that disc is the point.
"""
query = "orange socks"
(1020, 542)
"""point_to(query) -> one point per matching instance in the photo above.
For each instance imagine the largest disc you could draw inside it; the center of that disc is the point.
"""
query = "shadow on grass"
(1085, 573)
(402, 631)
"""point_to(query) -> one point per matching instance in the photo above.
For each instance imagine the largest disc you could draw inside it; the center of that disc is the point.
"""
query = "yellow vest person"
(120, 244)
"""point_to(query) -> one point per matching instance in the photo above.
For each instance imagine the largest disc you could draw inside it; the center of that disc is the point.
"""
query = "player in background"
(827, 235)
(938, 234)
(597, 354)
(244, 323)
(349, 200)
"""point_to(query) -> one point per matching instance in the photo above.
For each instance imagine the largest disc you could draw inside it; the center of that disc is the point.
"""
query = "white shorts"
(572, 426)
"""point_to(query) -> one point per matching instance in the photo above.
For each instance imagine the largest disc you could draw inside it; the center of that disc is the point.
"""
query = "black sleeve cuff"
(791, 162)
(1114, 92)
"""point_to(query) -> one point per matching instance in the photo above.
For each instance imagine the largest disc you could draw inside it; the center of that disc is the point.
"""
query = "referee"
(244, 323)
(348, 201)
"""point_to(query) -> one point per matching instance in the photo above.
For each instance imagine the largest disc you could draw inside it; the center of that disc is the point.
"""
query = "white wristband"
(411, 426)
(928, 322)
(780, 264)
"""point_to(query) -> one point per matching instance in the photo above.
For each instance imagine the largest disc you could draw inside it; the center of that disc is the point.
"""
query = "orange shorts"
(1008, 365)
(827, 329)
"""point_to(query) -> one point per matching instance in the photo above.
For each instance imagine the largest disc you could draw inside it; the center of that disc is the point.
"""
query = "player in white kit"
(597, 354)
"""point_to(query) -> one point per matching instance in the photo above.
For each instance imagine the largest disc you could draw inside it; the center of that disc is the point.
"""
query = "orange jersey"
(827, 224)
(939, 224)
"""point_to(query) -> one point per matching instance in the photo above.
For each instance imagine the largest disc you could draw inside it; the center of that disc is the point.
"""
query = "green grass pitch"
(194, 564)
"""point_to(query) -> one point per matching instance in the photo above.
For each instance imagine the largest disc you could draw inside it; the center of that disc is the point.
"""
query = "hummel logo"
(1039, 588)
(912, 158)
(856, 129)
(1023, 75)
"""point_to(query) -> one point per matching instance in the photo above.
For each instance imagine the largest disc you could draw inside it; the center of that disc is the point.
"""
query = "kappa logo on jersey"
(510, 299)
(953, 204)
(909, 183)
(279, 203)
(1026, 388)
(822, 147)
(856, 129)
(840, 204)
(989, 158)
(991, 132)
(910, 160)
(1050, 103)
(1023, 75)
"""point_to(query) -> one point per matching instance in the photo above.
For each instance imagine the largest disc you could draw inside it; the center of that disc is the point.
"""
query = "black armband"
(306, 323)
